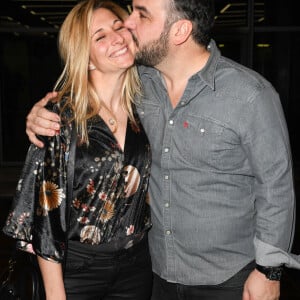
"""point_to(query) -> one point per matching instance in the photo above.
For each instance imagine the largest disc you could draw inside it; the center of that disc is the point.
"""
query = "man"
(222, 195)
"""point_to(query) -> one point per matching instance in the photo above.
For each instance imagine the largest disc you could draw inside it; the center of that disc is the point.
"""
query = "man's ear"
(181, 31)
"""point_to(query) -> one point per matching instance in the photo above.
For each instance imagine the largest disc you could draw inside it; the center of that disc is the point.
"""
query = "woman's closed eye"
(98, 38)
(120, 28)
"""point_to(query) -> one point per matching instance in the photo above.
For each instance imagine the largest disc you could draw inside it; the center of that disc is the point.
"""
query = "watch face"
(274, 274)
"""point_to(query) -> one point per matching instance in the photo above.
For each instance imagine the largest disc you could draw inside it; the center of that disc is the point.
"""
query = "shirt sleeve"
(267, 147)
(49, 232)
(38, 214)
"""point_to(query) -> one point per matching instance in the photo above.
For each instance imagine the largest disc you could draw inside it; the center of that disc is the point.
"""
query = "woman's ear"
(182, 30)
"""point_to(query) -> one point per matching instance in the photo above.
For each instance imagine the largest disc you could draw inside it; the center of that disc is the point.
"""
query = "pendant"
(113, 125)
(111, 122)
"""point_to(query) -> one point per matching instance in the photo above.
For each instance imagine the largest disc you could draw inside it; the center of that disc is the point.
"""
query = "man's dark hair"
(200, 12)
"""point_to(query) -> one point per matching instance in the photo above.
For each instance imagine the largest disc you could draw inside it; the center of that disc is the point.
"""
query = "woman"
(86, 209)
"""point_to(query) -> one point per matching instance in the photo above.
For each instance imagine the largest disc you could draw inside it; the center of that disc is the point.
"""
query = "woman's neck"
(108, 88)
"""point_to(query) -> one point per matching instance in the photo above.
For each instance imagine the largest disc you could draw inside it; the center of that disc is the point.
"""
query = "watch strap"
(272, 273)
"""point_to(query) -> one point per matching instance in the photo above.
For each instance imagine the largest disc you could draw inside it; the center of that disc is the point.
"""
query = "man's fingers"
(34, 140)
(39, 110)
(41, 126)
(51, 96)
(46, 120)
(42, 122)
(246, 296)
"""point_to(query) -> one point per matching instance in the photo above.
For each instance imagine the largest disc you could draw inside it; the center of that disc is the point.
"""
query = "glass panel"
(294, 97)
(234, 47)
(277, 13)
(25, 16)
(29, 68)
(230, 14)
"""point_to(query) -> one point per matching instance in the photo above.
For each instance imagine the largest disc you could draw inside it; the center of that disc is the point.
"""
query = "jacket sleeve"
(267, 146)
(38, 214)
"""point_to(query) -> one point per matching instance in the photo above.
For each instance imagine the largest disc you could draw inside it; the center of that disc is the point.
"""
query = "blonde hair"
(73, 83)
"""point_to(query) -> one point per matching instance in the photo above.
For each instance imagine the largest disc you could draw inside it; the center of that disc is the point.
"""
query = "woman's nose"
(117, 38)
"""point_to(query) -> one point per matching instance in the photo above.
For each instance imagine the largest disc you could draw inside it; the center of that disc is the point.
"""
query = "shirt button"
(142, 112)
(166, 150)
(168, 232)
(167, 204)
(182, 102)
(171, 122)
(166, 177)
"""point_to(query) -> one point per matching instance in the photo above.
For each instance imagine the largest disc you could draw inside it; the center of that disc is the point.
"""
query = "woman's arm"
(53, 279)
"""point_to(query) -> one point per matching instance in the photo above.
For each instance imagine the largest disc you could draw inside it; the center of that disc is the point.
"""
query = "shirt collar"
(207, 74)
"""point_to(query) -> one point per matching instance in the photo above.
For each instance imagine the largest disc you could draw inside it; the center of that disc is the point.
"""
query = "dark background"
(263, 35)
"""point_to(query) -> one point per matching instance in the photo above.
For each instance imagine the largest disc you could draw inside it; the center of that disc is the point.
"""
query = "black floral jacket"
(109, 193)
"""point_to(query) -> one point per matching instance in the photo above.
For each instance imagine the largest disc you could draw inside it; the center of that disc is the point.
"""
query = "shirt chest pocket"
(149, 116)
(206, 143)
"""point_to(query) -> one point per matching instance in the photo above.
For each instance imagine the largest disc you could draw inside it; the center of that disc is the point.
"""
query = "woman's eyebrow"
(100, 29)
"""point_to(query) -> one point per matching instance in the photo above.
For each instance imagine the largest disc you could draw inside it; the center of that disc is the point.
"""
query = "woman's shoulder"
(63, 108)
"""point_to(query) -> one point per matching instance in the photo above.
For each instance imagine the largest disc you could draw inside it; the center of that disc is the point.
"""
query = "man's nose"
(129, 22)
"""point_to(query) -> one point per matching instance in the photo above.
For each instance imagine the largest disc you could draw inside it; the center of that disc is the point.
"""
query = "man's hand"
(258, 287)
(41, 121)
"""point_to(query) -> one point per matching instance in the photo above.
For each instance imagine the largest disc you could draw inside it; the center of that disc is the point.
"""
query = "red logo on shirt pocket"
(185, 124)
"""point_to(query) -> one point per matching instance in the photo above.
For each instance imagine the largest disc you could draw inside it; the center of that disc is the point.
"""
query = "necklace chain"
(112, 121)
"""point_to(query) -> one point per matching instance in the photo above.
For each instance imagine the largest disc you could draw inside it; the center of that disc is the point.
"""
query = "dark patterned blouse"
(109, 203)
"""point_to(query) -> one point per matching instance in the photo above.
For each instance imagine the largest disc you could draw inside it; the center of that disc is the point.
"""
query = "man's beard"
(154, 52)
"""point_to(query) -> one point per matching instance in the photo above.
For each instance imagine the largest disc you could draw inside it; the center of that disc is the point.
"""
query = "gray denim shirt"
(221, 189)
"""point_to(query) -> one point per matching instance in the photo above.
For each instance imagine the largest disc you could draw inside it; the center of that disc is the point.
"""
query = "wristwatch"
(272, 273)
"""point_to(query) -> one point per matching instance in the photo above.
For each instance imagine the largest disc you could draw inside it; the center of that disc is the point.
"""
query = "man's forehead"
(148, 3)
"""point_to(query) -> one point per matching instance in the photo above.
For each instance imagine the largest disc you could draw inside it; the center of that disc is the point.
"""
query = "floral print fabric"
(109, 197)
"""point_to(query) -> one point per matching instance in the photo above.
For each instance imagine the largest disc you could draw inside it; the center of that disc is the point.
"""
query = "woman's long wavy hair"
(74, 83)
